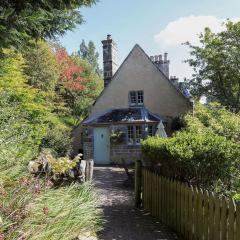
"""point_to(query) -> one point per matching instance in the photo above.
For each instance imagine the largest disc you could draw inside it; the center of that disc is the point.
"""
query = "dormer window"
(136, 98)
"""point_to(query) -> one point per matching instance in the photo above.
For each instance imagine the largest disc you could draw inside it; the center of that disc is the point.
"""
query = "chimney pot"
(152, 58)
(109, 37)
(156, 58)
(174, 80)
(160, 57)
(165, 57)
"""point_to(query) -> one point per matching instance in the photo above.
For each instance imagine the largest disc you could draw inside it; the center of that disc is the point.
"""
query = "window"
(136, 98)
(140, 97)
(130, 135)
(133, 99)
(138, 134)
(151, 130)
(134, 134)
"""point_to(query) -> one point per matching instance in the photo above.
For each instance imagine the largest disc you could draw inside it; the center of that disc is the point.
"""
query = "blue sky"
(156, 25)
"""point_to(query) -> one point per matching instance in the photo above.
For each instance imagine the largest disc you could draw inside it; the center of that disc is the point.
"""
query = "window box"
(117, 137)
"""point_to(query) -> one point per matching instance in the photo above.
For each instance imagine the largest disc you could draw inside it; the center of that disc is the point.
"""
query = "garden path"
(123, 221)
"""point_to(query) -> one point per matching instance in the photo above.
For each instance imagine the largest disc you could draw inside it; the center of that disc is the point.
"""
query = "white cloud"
(187, 29)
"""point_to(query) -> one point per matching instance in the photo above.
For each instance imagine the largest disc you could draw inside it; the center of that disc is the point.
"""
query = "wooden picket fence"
(193, 213)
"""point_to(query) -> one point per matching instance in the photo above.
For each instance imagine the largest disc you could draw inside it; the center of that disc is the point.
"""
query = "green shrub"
(215, 120)
(207, 161)
(58, 139)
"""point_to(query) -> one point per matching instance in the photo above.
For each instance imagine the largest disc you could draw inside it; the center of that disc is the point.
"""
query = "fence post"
(83, 164)
(89, 170)
(138, 183)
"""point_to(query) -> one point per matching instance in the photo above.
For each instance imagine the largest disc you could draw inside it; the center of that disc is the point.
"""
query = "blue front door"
(101, 145)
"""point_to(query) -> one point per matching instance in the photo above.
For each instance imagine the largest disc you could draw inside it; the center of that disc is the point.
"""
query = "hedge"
(205, 160)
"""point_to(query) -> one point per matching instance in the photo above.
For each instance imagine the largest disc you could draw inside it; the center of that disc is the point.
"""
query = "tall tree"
(216, 66)
(93, 86)
(24, 20)
(24, 113)
(79, 84)
(88, 52)
(41, 66)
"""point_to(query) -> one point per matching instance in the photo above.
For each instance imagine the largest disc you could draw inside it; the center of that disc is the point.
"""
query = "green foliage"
(117, 136)
(63, 213)
(205, 151)
(88, 52)
(34, 116)
(61, 165)
(201, 159)
(14, 82)
(31, 209)
(22, 116)
(20, 21)
(26, 119)
(216, 66)
(214, 120)
(41, 66)
(15, 196)
(58, 138)
(19, 139)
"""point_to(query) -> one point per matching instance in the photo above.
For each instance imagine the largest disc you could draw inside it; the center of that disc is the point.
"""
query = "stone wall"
(88, 150)
(77, 143)
(123, 150)
(129, 153)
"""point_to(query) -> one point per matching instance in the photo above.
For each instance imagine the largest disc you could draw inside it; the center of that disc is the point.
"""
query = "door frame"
(107, 147)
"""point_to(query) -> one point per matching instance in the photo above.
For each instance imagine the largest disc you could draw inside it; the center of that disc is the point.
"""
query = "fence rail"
(194, 213)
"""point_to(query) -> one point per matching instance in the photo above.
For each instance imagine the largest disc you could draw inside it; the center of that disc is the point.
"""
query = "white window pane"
(130, 135)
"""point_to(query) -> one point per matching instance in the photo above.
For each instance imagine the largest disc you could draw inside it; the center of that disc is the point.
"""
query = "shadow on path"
(123, 221)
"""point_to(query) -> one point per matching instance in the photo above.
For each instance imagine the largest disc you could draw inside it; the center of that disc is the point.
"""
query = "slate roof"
(124, 115)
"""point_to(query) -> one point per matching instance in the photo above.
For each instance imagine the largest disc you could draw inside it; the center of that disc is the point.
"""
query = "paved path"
(123, 222)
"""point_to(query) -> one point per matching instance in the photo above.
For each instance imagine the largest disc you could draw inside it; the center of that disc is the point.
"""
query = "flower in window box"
(117, 136)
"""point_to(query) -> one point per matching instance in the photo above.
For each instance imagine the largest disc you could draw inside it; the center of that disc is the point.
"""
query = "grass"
(63, 213)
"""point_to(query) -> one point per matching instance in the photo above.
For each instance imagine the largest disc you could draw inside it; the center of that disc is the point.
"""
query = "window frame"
(132, 95)
(137, 134)
(138, 97)
(132, 135)
(153, 130)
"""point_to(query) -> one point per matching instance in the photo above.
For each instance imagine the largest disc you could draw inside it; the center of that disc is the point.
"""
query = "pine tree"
(88, 52)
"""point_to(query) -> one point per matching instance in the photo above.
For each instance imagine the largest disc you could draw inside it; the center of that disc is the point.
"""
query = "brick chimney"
(162, 63)
(109, 59)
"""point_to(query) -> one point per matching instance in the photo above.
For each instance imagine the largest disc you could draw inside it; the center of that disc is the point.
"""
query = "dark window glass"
(140, 97)
(138, 134)
(133, 99)
(136, 98)
(150, 130)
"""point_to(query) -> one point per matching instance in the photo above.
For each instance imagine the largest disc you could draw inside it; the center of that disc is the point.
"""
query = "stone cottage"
(139, 100)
